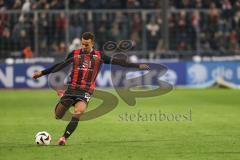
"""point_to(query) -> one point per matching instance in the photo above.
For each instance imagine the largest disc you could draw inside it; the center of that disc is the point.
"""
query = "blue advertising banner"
(201, 73)
(178, 74)
(175, 75)
(19, 75)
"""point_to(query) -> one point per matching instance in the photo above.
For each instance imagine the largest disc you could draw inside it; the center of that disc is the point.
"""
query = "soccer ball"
(43, 138)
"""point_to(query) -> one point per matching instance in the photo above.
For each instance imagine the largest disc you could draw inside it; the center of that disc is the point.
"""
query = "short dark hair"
(88, 35)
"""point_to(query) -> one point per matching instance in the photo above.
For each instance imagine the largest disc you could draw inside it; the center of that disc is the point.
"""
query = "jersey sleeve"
(69, 56)
(57, 67)
(116, 61)
(106, 59)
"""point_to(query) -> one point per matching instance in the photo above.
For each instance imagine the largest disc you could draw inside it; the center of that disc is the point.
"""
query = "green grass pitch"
(211, 131)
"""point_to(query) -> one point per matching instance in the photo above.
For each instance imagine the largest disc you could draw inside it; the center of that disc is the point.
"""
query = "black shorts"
(71, 97)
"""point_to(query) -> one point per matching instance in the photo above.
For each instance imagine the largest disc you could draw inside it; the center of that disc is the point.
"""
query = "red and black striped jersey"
(85, 68)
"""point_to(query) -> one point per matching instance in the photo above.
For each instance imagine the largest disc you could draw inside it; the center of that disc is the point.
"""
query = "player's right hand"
(144, 67)
(36, 75)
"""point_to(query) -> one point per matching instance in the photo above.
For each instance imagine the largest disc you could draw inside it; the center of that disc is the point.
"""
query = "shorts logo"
(87, 96)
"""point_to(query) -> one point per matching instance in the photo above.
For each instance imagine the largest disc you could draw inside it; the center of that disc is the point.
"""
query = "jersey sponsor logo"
(95, 57)
(86, 66)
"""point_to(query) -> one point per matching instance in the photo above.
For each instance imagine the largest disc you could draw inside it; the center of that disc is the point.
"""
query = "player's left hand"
(144, 67)
(36, 75)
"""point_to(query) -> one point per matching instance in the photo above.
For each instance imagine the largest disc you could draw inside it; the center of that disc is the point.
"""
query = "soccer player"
(86, 63)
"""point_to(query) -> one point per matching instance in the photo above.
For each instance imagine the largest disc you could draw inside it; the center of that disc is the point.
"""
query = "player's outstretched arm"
(125, 63)
(55, 68)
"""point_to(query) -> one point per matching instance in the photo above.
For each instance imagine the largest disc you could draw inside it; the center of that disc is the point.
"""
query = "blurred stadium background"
(161, 30)
(198, 40)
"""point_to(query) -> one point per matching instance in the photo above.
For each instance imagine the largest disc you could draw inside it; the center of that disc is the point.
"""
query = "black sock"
(71, 127)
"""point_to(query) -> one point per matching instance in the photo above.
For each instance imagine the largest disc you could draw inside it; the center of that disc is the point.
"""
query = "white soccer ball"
(43, 138)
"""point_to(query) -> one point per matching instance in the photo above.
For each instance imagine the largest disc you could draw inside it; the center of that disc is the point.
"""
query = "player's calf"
(79, 109)
(71, 127)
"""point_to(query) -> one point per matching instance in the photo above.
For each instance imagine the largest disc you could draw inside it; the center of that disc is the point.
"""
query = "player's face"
(87, 45)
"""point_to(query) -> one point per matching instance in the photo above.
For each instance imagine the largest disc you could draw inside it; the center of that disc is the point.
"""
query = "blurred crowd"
(202, 25)
(217, 28)
(112, 4)
(78, 4)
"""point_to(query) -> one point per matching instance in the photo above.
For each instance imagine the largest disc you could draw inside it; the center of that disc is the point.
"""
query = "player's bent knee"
(57, 117)
(60, 111)
(79, 111)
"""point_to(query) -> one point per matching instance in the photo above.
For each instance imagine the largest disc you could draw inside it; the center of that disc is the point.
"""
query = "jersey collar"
(90, 51)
